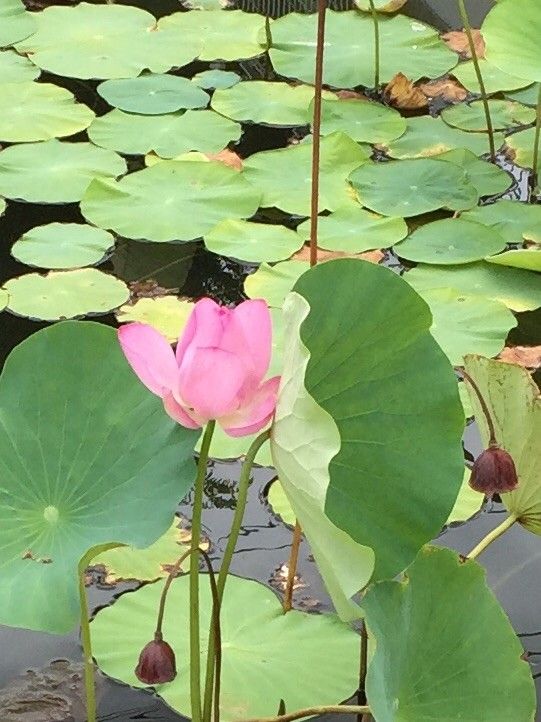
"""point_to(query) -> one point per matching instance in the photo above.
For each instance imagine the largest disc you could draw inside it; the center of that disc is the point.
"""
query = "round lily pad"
(3, 299)
(167, 314)
(216, 79)
(153, 94)
(407, 46)
(522, 145)
(362, 120)
(352, 229)
(62, 245)
(39, 111)
(503, 113)
(15, 22)
(252, 242)
(527, 258)
(280, 503)
(450, 241)
(173, 200)
(514, 221)
(495, 80)
(527, 96)
(284, 176)
(65, 294)
(273, 283)
(411, 187)
(426, 136)
(53, 171)
(167, 135)
(487, 178)
(2, 206)
(262, 637)
(15, 68)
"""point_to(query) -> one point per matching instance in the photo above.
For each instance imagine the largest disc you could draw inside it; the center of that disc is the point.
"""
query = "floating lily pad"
(173, 200)
(167, 314)
(407, 46)
(495, 80)
(450, 241)
(153, 94)
(353, 230)
(468, 501)
(450, 635)
(4, 298)
(527, 258)
(53, 171)
(504, 114)
(362, 120)
(62, 245)
(527, 96)
(514, 221)
(273, 283)
(411, 187)
(78, 446)
(262, 636)
(216, 79)
(39, 111)
(522, 145)
(280, 504)
(487, 178)
(426, 136)
(284, 175)
(252, 242)
(65, 294)
(15, 68)
(517, 289)
(2, 206)
(167, 135)
(15, 22)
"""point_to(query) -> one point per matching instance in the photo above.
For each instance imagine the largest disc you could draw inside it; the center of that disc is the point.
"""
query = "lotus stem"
(313, 711)
(377, 51)
(492, 536)
(491, 430)
(537, 138)
(363, 667)
(88, 661)
(292, 567)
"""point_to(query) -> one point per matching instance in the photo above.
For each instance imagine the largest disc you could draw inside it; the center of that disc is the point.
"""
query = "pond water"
(53, 691)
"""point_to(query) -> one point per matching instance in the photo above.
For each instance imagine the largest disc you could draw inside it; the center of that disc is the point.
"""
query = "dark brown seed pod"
(157, 663)
(494, 472)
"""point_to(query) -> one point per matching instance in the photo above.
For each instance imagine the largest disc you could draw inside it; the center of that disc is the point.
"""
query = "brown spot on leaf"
(322, 255)
(457, 40)
(228, 157)
(528, 357)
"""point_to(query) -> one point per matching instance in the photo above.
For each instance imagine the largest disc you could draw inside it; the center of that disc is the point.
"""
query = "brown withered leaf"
(228, 157)
(322, 256)
(457, 40)
(350, 95)
(527, 356)
(402, 93)
(445, 88)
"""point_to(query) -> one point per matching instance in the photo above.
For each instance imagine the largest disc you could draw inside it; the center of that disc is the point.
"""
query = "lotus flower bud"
(157, 663)
(494, 472)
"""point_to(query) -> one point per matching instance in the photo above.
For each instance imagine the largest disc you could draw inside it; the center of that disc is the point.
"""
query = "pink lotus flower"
(217, 371)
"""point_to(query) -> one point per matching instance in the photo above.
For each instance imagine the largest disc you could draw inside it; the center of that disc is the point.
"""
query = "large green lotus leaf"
(103, 41)
(62, 245)
(426, 136)
(352, 229)
(284, 175)
(153, 94)
(4, 298)
(362, 120)
(77, 451)
(511, 31)
(173, 200)
(221, 35)
(216, 79)
(522, 146)
(273, 283)
(252, 242)
(279, 503)
(167, 314)
(15, 23)
(407, 46)
(468, 502)
(528, 96)
(515, 406)
(445, 649)
(463, 324)
(53, 171)
(39, 111)
(411, 187)
(450, 241)
(495, 80)
(262, 637)
(517, 289)
(167, 135)
(527, 258)
(386, 412)
(487, 178)
(514, 221)
(14, 68)
(504, 114)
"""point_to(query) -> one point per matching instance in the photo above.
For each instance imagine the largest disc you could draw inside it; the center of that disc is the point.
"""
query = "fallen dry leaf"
(350, 95)
(527, 356)
(457, 40)
(228, 157)
(445, 88)
(402, 93)
(322, 256)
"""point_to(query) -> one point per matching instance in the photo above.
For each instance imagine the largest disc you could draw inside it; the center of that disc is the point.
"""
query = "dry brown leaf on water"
(228, 157)
(445, 88)
(402, 93)
(322, 256)
(527, 356)
(457, 40)
(350, 95)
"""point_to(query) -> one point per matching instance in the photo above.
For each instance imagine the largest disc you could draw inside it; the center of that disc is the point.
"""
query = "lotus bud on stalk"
(494, 472)
(157, 664)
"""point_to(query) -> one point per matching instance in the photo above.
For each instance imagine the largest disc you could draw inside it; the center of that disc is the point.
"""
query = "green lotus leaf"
(407, 46)
(468, 502)
(2, 206)
(4, 298)
(487, 178)
(167, 314)
(173, 200)
(221, 35)
(53, 171)
(261, 637)
(517, 289)
(450, 635)
(383, 6)
(362, 120)
(14, 68)
(527, 96)
(77, 451)
(65, 294)
(103, 41)
(450, 241)
(504, 114)
(279, 503)
(522, 145)
(216, 79)
(527, 258)
(15, 22)
(153, 94)
(515, 406)
(511, 32)
(39, 111)
(167, 135)
(514, 221)
(426, 136)
(372, 433)
(62, 245)
(273, 283)
(284, 176)
(411, 187)
(495, 80)
(252, 242)
(465, 400)
(352, 229)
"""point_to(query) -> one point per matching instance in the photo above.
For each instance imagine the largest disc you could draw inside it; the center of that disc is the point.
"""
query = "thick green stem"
(377, 52)
(536, 144)
(88, 662)
(195, 644)
(481, 82)
(486, 413)
(292, 567)
(492, 536)
(313, 711)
